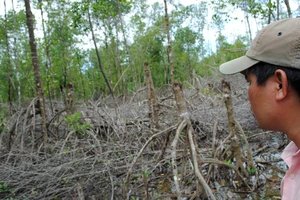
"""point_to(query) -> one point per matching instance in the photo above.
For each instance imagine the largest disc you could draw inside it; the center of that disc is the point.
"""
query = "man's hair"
(263, 71)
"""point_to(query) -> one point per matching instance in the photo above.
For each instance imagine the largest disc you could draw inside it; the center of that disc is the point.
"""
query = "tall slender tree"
(36, 70)
(48, 58)
(170, 55)
(288, 7)
(98, 56)
(9, 63)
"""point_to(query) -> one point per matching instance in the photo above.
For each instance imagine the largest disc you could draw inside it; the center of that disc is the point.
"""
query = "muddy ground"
(92, 156)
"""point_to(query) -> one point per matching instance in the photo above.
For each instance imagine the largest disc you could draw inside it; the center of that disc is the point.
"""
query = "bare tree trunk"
(166, 72)
(123, 86)
(179, 97)
(99, 58)
(232, 125)
(69, 98)
(277, 9)
(16, 58)
(114, 64)
(169, 42)
(177, 87)
(287, 4)
(170, 58)
(126, 45)
(152, 99)
(36, 68)
(82, 84)
(270, 12)
(249, 28)
(10, 72)
(48, 59)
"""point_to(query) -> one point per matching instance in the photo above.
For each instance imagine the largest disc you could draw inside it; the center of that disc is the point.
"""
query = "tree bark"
(170, 57)
(234, 142)
(48, 59)
(277, 9)
(270, 12)
(15, 63)
(179, 97)
(99, 58)
(36, 69)
(249, 28)
(287, 4)
(152, 99)
(126, 45)
(10, 73)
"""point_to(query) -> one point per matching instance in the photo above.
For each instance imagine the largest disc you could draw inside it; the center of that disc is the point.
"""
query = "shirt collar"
(290, 151)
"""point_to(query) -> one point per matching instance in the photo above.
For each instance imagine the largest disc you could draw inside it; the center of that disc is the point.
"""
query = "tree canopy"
(127, 34)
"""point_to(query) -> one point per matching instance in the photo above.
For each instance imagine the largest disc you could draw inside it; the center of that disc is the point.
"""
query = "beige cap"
(278, 44)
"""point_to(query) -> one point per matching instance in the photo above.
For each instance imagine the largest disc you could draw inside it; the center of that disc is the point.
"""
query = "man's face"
(260, 101)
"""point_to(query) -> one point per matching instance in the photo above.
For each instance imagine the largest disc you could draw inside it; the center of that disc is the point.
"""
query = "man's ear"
(282, 84)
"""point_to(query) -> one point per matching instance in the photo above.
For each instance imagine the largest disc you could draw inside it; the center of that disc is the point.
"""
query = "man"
(272, 68)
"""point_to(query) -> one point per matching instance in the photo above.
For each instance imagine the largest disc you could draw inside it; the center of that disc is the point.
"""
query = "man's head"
(272, 67)
(263, 71)
(277, 44)
(273, 91)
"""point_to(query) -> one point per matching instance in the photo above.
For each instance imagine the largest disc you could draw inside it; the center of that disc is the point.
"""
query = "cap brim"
(237, 65)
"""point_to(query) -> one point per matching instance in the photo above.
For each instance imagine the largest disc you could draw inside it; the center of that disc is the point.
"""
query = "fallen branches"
(121, 149)
(138, 155)
(173, 153)
(196, 167)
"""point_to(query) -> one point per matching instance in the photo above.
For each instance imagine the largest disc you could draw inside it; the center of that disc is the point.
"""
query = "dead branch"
(152, 98)
(174, 165)
(234, 142)
(207, 189)
(139, 154)
(248, 149)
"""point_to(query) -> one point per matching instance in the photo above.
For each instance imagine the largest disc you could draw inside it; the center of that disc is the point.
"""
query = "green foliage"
(252, 170)
(111, 8)
(64, 180)
(224, 53)
(259, 10)
(4, 187)
(229, 162)
(186, 51)
(75, 123)
(34, 192)
(135, 198)
(249, 132)
(67, 55)
(145, 174)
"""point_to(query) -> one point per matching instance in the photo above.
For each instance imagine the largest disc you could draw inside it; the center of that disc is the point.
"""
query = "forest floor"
(104, 152)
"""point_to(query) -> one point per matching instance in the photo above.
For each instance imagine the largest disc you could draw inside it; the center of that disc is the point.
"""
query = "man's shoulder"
(290, 150)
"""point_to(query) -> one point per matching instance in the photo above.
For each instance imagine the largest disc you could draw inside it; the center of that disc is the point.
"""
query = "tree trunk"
(249, 28)
(179, 97)
(36, 69)
(132, 74)
(10, 71)
(270, 12)
(15, 63)
(169, 42)
(277, 9)
(152, 99)
(122, 87)
(99, 58)
(232, 125)
(48, 59)
(287, 4)
(111, 65)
